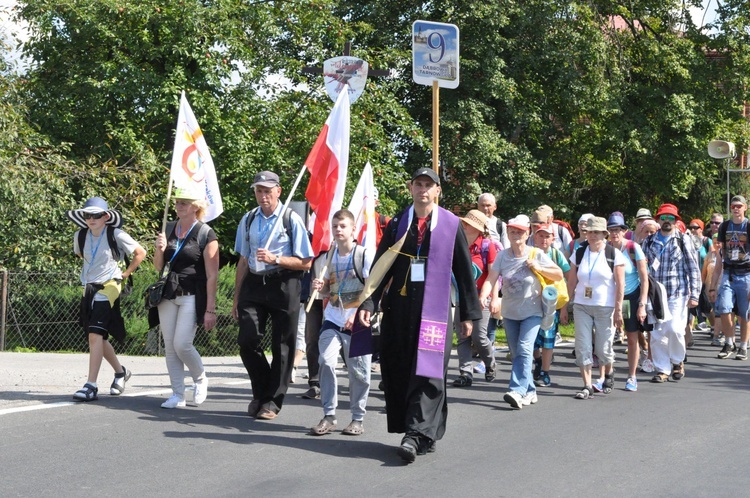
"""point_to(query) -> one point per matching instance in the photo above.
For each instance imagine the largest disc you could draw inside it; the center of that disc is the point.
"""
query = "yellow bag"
(561, 286)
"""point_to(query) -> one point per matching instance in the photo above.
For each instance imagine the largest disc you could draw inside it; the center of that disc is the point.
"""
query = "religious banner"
(192, 166)
(345, 72)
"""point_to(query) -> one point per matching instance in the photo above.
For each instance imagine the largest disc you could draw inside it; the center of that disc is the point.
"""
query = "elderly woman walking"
(597, 283)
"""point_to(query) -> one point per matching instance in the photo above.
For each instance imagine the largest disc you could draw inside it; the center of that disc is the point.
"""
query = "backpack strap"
(609, 254)
(113, 247)
(499, 228)
(579, 254)
(286, 220)
(203, 236)
(359, 262)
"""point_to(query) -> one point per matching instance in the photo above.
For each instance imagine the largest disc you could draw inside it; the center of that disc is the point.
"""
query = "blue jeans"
(521, 335)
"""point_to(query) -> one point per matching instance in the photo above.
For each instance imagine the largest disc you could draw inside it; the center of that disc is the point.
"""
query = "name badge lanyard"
(347, 268)
(94, 250)
(588, 290)
(180, 243)
(656, 262)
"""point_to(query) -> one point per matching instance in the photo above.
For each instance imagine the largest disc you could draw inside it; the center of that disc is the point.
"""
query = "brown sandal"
(325, 426)
(355, 428)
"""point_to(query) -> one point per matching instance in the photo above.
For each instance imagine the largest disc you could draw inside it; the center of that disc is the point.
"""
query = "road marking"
(7, 411)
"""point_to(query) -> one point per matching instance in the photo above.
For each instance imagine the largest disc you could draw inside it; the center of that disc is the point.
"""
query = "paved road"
(678, 439)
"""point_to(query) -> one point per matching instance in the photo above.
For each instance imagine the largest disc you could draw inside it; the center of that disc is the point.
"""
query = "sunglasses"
(716, 223)
(694, 227)
(737, 206)
(93, 216)
(667, 217)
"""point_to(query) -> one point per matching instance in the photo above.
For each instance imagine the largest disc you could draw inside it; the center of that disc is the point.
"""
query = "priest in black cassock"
(421, 248)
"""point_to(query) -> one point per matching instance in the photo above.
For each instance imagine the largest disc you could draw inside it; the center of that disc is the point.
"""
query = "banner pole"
(436, 128)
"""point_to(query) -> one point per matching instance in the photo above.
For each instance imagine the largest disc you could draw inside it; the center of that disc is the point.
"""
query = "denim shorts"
(732, 293)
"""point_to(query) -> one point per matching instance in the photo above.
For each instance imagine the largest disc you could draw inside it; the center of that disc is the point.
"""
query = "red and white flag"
(328, 162)
(362, 206)
(192, 166)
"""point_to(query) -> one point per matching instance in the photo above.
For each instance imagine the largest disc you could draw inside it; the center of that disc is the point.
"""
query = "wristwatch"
(278, 260)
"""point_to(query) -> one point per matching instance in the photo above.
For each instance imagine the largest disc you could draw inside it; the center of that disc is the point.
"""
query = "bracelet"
(212, 312)
(641, 304)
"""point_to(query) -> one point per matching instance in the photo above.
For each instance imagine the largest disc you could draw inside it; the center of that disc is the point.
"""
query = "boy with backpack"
(342, 282)
(102, 279)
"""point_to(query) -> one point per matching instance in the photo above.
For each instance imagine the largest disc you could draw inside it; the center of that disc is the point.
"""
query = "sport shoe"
(200, 391)
(543, 380)
(648, 366)
(118, 385)
(717, 341)
(727, 351)
(463, 380)
(703, 327)
(312, 393)
(480, 368)
(514, 399)
(741, 354)
(631, 384)
(530, 398)
(174, 401)
(89, 392)
(537, 368)
(598, 385)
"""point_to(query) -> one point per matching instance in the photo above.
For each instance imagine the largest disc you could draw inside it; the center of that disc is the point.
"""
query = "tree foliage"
(589, 106)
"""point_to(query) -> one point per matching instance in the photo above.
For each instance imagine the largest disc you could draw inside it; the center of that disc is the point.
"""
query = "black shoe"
(426, 445)
(408, 450)
(537, 368)
(312, 393)
(727, 351)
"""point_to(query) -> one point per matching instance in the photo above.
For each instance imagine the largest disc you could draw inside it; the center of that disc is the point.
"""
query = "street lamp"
(719, 149)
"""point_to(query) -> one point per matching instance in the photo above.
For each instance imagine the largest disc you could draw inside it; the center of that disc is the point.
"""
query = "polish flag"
(328, 162)
(362, 207)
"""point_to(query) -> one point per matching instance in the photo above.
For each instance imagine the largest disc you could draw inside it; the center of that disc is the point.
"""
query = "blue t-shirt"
(632, 281)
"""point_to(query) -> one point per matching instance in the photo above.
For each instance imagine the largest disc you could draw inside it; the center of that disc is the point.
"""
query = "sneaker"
(463, 380)
(312, 393)
(530, 398)
(741, 354)
(514, 399)
(200, 390)
(727, 351)
(558, 338)
(408, 450)
(89, 392)
(480, 368)
(598, 385)
(174, 401)
(642, 357)
(543, 380)
(648, 366)
(118, 385)
(717, 341)
(703, 327)
(631, 384)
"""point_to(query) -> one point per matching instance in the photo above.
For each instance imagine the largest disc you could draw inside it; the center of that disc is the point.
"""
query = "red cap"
(668, 209)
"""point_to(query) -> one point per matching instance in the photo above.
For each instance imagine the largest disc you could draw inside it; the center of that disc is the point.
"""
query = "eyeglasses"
(93, 216)
(667, 217)
(694, 227)
(716, 223)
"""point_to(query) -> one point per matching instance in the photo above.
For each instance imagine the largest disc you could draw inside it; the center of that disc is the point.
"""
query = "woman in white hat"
(191, 251)
(521, 305)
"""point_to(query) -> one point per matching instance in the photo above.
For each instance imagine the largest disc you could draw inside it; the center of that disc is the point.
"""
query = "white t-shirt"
(521, 288)
(594, 272)
(345, 286)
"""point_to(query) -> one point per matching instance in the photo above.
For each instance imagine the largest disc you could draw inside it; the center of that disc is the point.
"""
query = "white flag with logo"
(192, 165)
(362, 207)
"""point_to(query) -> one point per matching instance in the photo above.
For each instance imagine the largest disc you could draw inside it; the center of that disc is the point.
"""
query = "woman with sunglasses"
(190, 251)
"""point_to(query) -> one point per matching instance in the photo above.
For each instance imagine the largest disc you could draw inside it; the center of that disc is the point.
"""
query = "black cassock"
(415, 404)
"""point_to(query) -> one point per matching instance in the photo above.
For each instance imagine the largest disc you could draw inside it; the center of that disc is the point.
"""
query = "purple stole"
(433, 328)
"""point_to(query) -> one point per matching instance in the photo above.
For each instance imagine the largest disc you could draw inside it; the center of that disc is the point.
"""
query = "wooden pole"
(436, 129)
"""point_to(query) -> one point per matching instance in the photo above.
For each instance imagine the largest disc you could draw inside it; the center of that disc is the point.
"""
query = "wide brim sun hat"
(93, 206)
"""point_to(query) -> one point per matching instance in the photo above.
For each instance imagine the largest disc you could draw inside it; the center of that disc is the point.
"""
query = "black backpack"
(609, 254)
(286, 220)
(500, 231)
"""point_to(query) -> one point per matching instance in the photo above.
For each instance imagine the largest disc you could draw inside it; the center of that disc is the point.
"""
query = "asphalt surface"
(686, 438)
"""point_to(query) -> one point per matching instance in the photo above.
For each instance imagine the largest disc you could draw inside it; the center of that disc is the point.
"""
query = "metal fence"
(39, 312)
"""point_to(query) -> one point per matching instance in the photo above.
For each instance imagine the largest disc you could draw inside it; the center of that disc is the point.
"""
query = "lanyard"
(181, 242)
(591, 267)
(94, 249)
(263, 231)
